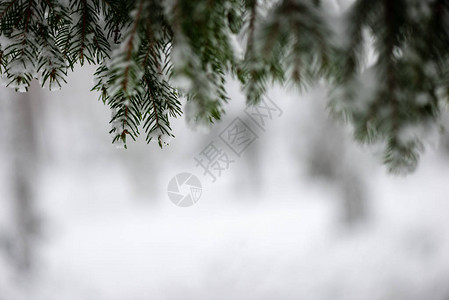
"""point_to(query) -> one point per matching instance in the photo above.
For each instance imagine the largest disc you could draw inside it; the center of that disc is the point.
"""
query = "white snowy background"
(273, 226)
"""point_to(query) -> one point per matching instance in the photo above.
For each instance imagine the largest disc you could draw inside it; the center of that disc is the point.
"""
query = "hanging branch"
(151, 53)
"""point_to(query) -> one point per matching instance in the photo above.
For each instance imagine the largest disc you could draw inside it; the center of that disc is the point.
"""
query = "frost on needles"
(386, 62)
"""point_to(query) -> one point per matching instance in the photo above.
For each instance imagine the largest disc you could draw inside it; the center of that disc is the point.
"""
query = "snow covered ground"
(265, 229)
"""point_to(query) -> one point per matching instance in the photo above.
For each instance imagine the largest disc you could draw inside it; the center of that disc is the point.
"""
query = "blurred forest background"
(304, 213)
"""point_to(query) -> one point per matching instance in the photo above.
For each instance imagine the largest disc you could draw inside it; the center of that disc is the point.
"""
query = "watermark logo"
(223, 151)
(184, 189)
(238, 136)
(264, 112)
(213, 160)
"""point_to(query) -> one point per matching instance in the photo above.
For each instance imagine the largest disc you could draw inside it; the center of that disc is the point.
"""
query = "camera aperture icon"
(184, 189)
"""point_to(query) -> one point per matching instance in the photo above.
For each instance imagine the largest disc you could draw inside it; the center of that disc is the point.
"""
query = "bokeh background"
(304, 213)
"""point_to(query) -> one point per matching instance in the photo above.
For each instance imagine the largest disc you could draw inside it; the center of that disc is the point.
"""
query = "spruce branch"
(151, 53)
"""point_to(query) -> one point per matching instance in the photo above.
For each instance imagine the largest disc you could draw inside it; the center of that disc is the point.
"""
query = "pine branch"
(150, 53)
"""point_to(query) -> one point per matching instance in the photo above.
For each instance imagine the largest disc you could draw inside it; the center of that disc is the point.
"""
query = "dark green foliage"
(404, 100)
(149, 53)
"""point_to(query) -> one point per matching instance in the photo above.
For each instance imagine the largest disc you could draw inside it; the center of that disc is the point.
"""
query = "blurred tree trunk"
(249, 167)
(23, 163)
(331, 158)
